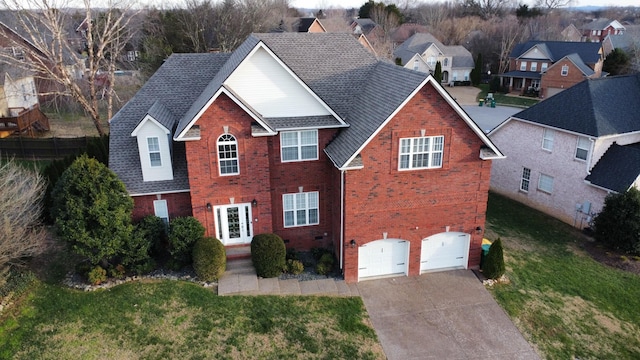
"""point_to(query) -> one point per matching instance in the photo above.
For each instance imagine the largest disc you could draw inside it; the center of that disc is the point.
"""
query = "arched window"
(228, 155)
(445, 62)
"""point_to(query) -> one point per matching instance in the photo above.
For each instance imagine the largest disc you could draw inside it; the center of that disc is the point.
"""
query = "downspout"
(342, 221)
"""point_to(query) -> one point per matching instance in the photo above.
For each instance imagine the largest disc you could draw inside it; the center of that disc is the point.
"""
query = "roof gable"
(538, 52)
(617, 169)
(589, 52)
(576, 61)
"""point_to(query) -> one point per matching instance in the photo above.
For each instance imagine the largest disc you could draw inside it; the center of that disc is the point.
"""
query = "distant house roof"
(594, 107)
(617, 169)
(406, 30)
(419, 42)
(625, 41)
(589, 52)
(305, 24)
(601, 24)
(365, 24)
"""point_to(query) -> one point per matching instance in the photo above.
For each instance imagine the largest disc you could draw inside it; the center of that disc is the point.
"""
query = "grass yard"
(566, 304)
(179, 320)
(502, 99)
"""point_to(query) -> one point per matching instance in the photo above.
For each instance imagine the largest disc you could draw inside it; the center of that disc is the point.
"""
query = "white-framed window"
(582, 148)
(544, 67)
(153, 145)
(300, 209)
(545, 183)
(160, 210)
(535, 83)
(525, 180)
(421, 152)
(593, 32)
(431, 61)
(416, 64)
(547, 139)
(565, 70)
(599, 32)
(228, 155)
(445, 62)
(523, 66)
(534, 66)
(299, 145)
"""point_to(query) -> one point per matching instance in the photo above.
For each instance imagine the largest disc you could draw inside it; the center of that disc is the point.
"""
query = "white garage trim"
(445, 251)
(383, 258)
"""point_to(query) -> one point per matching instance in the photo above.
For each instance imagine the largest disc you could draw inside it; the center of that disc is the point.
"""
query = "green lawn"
(179, 320)
(502, 99)
(567, 305)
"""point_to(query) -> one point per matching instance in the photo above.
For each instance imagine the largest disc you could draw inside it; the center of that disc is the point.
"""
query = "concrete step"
(238, 252)
(240, 266)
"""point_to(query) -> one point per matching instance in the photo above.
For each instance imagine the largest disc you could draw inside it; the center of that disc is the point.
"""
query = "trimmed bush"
(617, 226)
(97, 275)
(154, 230)
(325, 264)
(183, 233)
(209, 259)
(268, 254)
(493, 266)
(294, 267)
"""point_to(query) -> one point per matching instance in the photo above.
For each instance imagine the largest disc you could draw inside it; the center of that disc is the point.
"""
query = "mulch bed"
(612, 258)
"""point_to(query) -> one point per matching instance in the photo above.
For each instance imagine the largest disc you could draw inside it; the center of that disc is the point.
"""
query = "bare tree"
(553, 4)
(21, 233)
(432, 15)
(46, 24)
(508, 33)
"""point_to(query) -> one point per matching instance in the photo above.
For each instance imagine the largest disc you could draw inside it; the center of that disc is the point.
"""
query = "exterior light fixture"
(254, 202)
(479, 230)
(352, 243)
(209, 206)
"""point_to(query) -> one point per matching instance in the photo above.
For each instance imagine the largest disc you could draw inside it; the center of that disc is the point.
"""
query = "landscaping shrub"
(618, 224)
(493, 265)
(325, 264)
(268, 254)
(209, 259)
(92, 210)
(117, 271)
(154, 230)
(97, 275)
(294, 267)
(292, 254)
(183, 233)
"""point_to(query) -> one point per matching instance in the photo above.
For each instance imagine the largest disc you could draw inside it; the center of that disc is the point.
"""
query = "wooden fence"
(45, 148)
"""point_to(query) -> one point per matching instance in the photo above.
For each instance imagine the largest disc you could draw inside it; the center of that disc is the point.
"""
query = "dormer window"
(153, 146)
(228, 155)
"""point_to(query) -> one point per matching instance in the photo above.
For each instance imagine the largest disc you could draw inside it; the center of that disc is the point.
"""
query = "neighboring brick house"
(598, 29)
(305, 24)
(545, 68)
(565, 154)
(422, 51)
(311, 137)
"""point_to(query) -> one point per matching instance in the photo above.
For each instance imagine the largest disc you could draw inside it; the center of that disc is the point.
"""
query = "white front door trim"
(233, 223)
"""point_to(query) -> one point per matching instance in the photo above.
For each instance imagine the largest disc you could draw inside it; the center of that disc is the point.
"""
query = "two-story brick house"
(565, 154)
(422, 51)
(545, 68)
(598, 29)
(311, 137)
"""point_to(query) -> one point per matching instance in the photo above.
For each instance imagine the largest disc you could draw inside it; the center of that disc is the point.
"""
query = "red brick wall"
(178, 204)
(413, 205)
(263, 177)
(553, 77)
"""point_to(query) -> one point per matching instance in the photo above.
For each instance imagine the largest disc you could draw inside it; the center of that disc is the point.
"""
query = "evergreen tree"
(493, 266)
(438, 73)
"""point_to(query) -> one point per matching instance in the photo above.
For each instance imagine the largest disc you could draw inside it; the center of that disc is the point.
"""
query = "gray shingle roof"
(363, 91)
(419, 42)
(586, 70)
(162, 115)
(594, 107)
(523, 74)
(617, 169)
(176, 85)
(587, 51)
(598, 24)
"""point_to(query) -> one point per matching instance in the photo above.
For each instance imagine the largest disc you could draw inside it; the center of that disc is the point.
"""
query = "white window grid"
(547, 139)
(228, 155)
(523, 66)
(544, 67)
(582, 148)
(299, 145)
(153, 145)
(565, 70)
(534, 66)
(545, 183)
(525, 180)
(300, 209)
(421, 152)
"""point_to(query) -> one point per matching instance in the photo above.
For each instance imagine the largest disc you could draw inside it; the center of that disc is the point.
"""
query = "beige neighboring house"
(571, 33)
(421, 52)
(564, 155)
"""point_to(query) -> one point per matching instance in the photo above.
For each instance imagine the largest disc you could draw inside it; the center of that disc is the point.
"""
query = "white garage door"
(383, 257)
(553, 91)
(449, 250)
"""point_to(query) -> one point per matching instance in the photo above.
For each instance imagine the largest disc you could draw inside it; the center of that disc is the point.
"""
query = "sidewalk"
(240, 279)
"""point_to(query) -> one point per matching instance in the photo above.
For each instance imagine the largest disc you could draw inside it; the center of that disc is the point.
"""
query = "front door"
(233, 223)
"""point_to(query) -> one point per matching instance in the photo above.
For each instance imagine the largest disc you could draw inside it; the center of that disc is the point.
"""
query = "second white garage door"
(448, 250)
(382, 258)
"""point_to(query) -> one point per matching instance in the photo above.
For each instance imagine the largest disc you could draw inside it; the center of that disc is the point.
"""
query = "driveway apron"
(444, 315)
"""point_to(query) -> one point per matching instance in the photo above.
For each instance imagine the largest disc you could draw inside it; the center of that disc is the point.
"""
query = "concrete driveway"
(445, 315)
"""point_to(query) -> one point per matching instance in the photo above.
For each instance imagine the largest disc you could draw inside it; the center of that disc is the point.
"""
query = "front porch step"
(240, 266)
(238, 252)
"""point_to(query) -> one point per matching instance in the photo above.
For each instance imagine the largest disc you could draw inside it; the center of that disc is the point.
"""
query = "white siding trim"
(155, 173)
